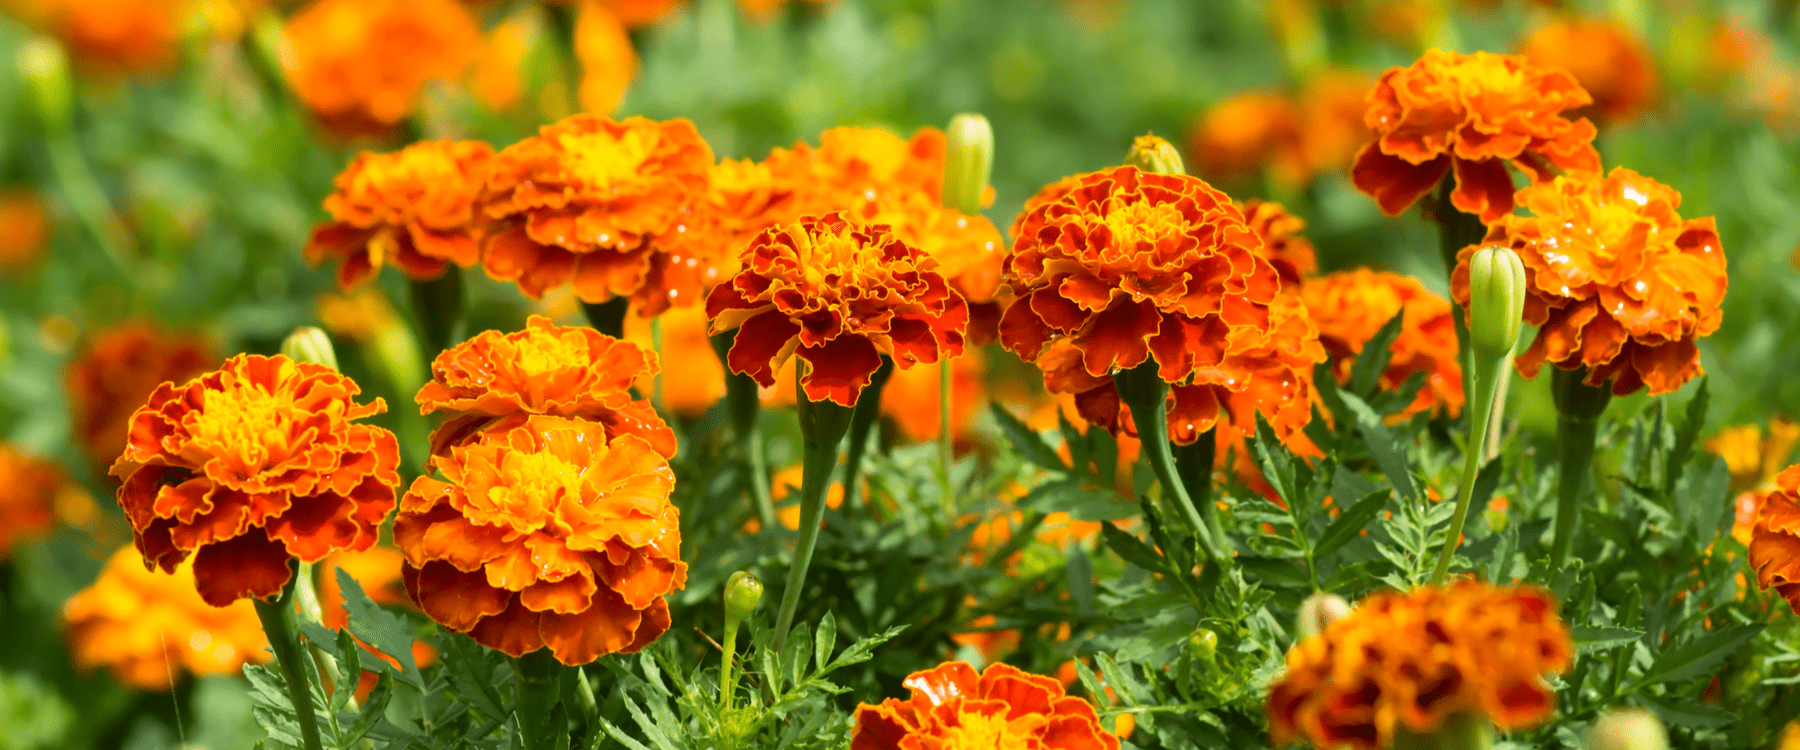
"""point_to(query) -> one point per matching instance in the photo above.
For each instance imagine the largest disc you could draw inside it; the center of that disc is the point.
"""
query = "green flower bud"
(1628, 729)
(45, 68)
(1318, 612)
(1202, 645)
(309, 344)
(1152, 154)
(968, 162)
(1496, 300)
(743, 592)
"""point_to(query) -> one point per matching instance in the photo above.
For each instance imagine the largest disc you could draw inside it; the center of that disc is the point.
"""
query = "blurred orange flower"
(116, 371)
(1753, 459)
(1332, 105)
(1407, 661)
(1618, 282)
(911, 397)
(954, 707)
(1611, 63)
(608, 61)
(1775, 539)
(114, 37)
(1350, 307)
(27, 504)
(587, 201)
(498, 379)
(640, 13)
(693, 379)
(24, 228)
(498, 78)
(414, 208)
(545, 533)
(361, 65)
(841, 295)
(143, 625)
(250, 465)
(361, 314)
(1475, 114)
(1243, 134)
(1291, 254)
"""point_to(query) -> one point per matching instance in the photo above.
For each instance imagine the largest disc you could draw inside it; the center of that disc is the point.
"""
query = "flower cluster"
(1350, 307)
(116, 371)
(250, 465)
(1618, 282)
(953, 706)
(1472, 114)
(1775, 538)
(361, 65)
(743, 198)
(1408, 661)
(27, 500)
(414, 208)
(141, 625)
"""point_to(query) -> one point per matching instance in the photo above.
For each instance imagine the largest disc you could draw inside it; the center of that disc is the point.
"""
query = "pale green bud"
(1202, 645)
(1152, 154)
(1496, 300)
(743, 592)
(45, 68)
(1318, 612)
(309, 344)
(1628, 729)
(968, 162)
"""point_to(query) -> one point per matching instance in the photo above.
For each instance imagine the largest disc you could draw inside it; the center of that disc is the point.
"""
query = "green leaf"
(473, 676)
(860, 651)
(1076, 441)
(1030, 446)
(1689, 432)
(794, 654)
(387, 632)
(1700, 656)
(1082, 504)
(1594, 638)
(1687, 714)
(1352, 520)
(1273, 458)
(1389, 454)
(1374, 357)
(1132, 550)
(825, 640)
(1080, 574)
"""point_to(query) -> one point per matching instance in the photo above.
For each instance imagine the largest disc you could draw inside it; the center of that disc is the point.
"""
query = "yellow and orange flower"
(1755, 460)
(1283, 246)
(1407, 661)
(546, 533)
(414, 208)
(1472, 114)
(28, 502)
(116, 372)
(1350, 307)
(694, 379)
(250, 465)
(953, 706)
(1775, 539)
(742, 199)
(361, 65)
(1618, 282)
(911, 398)
(1607, 60)
(24, 228)
(143, 626)
(1244, 134)
(840, 295)
(497, 379)
(588, 201)
(498, 78)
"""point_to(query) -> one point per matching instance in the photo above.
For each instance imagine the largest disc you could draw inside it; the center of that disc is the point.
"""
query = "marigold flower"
(24, 228)
(1350, 307)
(498, 78)
(142, 625)
(608, 61)
(116, 371)
(1475, 114)
(1410, 660)
(361, 314)
(360, 65)
(1244, 134)
(1775, 539)
(546, 533)
(841, 295)
(587, 201)
(1607, 60)
(1332, 106)
(953, 706)
(639, 13)
(694, 379)
(27, 503)
(251, 464)
(1618, 282)
(561, 371)
(414, 208)
(114, 37)
(743, 198)
(911, 396)
(1283, 246)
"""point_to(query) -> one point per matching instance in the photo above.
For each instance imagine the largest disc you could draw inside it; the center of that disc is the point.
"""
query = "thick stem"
(438, 305)
(1578, 410)
(540, 692)
(1498, 413)
(862, 427)
(1486, 380)
(608, 317)
(822, 425)
(742, 407)
(1144, 391)
(279, 624)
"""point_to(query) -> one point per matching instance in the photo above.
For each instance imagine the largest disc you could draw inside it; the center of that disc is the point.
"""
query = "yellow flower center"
(533, 486)
(974, 731)
(245, 420)
(1141, 222)
(542, 354)
(605, 163)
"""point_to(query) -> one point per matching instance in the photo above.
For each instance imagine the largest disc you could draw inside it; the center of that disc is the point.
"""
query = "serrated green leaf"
(1388, 453)
(1349, 522)
(795, 653)
(1029, 445)
(860, 651)
(1373, 361)
(379, 628)
(1699, 656)
(1080, 575)
(1595, 638)
(1687, 714)
(1132, 550)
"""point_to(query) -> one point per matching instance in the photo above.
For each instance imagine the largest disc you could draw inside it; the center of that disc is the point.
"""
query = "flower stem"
(279, 624)
(540, 694)
(822, 425)
(728, 647)
(438, 304)
(1457, 230)
(1578, 410)
(862, 425)
(1486, 380)
(1194, 464)
(608, 317)
(1144, 391)
(945, 446)
(742, 407)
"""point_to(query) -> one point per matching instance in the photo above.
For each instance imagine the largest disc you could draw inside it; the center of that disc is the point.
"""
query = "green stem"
(1194, 465)
(608, 317)
(540, 694)
(1144, 391)
(1486, 380)
(438, 305)
(726, 683)
(590, 705)
(945, 441)
(279, 624)
(822, 425)
(656, 385)
(1457, 230)
(862, 426)
(742, 407)
(1578, 410)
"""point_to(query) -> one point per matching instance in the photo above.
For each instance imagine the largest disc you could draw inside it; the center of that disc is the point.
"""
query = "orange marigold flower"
(498, 78)
(561, 371)
(1607, 60)
(742, 199)
(114, 37)
(639, 13)
(1350, 307)
(589, 200)
(608, 61)
(1775, 539)
(116, 371)
(1244, 134)
(1291, 254)
(414, 208)
(953, 706)
(840, 294)
(24, 228)
(251, 464)
(142, 625)
(549, 532)
(1407, 661)
(362, 314)
(1753, 459)
(694, 379)
(1475, 114)
(1332, 106)
(27, 504)
(1618, 282)
(360, 65)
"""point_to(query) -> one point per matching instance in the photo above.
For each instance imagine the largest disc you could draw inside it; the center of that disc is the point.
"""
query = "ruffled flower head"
(117, 371)
(1475, 114)
(743, 198)
(840, 294)
(1350, 307)
(589, 200)
(1290, 253)
(560, 371)
(414, 208)
(1618, 282)
(1407, 661)
(27, 498)
(1609, 62)
(361, 65)
(1775, 539)
(548, 533)
(956, 708)
(251, 464)
(142, 625)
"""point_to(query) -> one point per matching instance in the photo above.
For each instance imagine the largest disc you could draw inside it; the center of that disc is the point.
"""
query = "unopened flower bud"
(1152, 154)
(309, 344)
(45, 68)
(1202, 645)
(1628, 729)
(743, 592)
(968, 162)
(1318, 612)
(1496, 300)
